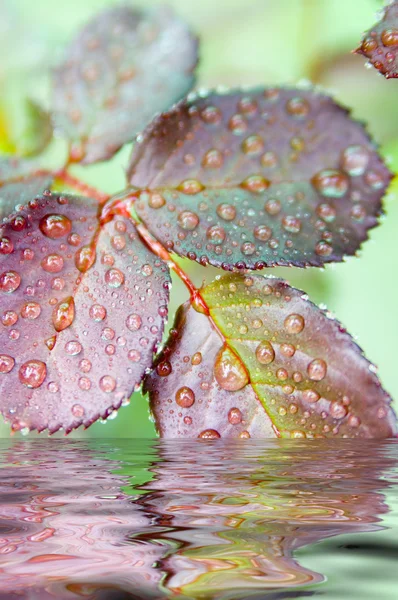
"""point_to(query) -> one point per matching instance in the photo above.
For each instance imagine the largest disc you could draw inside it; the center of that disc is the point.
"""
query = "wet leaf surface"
(123, 68)
(267, 177)
(20, 181)
(380, 43)
(81, 309)
(284, 368)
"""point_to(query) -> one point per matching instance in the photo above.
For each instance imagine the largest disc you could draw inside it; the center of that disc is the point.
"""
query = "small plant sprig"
(241, 180)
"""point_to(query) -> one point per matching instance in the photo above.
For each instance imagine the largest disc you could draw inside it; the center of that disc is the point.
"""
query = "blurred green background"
(243, 42)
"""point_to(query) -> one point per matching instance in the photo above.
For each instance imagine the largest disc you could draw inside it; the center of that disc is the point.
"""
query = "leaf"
(20, 181)
(278, 366)
(267, 177)
(123, 68)
(38, 130)
(82, 310)
(380, 43)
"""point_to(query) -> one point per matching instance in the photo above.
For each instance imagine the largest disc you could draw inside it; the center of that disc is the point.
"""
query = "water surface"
(198, 519)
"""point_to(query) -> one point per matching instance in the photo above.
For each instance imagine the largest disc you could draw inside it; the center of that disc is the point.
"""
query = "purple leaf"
(82, 309)
(20, 181)
(277, 366)
(380, 43)
(267, 177)
(124, 67)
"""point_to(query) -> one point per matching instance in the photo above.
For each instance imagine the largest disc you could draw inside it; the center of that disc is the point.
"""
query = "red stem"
(81, 186)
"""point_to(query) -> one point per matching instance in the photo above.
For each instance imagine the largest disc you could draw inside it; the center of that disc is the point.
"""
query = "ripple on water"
(198, 519)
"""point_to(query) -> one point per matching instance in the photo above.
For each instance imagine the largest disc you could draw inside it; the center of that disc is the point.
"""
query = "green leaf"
(380, 43)
(267, 363)
(124, 67)
(261, 178)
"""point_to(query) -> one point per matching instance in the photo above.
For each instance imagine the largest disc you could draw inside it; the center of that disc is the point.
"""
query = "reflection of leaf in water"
(238, 520)
(216, 520)
(68, 524)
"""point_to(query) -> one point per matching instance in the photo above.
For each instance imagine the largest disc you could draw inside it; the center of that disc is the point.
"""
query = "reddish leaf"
(123, 68)
(271, 177)
(380, 43)
(82, 310)
(20, 181)
(281, 367)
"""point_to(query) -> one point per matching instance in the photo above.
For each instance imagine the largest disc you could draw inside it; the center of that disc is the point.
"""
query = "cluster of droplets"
(380, 44)
(264, 220)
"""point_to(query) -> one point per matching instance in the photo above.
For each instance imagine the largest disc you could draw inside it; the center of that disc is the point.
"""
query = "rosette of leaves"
(238, 180)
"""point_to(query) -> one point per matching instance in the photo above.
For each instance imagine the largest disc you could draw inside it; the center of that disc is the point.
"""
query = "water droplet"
(196, 358)
(73, 348)
(237, 124)
(287, 350)
(211, 115)
(84, 383)
(269, 159)
(53, 263)
(74, 239)
(368, 46)
(213, 159)
(262, 233)
(107, 384)
(229, 370)
(134, 322)
(63, 314)
(317, 369)
(9, 318)
(52, 387)
(322, 248)
(146, 270)
(32, 373)
(216, 234)
(134, 356)
(330, 183)
(6, 246)
(235, 416)
(190, 187)
(85, 365)
(77, 411)
(326, 212)
(209, 434)
(273, 206)
(298, 107)
(291, 224)
(185, 397)
(337, 410)
(310, 396)
(156, 200)
(50, 342)
(97, 312)
(118, 242)
(248, 248)
(256, 184)
(294, 323)
(6, 363)
(55, 226)
(389, 37)
(164, 368)
(354, 160)
(9, 281)
(114, 278)
(85, 258)
(265, 353)
(188, 220)
(30, 310)
(253, 145)
(226, 212)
